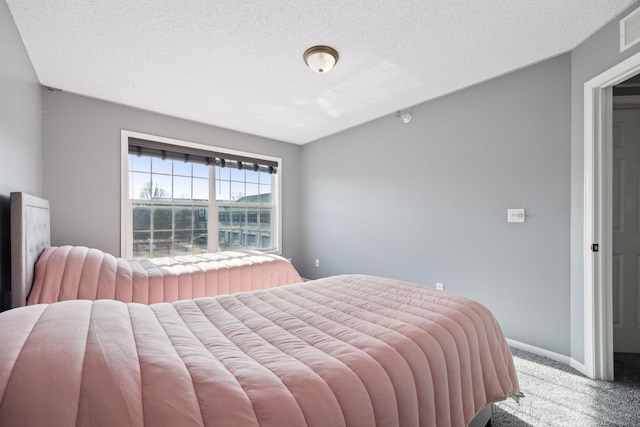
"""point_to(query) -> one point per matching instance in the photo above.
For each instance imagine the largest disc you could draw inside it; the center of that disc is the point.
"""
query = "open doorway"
(625, 219)
(598, 217)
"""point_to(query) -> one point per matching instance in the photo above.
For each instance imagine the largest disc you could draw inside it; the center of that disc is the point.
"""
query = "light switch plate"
(515, 215)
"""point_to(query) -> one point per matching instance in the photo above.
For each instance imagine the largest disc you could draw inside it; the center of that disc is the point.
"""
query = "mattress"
(76, 272)
(347, 350)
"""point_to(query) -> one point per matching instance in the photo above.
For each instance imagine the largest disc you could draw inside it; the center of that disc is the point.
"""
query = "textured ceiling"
(238, 63)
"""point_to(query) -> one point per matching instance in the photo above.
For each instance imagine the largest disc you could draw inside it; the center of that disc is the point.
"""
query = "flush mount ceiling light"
(321, 58)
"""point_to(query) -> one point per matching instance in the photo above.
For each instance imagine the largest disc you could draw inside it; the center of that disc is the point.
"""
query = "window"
(182, 198)
(244, 203)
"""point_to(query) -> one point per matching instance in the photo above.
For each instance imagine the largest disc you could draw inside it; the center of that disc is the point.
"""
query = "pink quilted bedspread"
(76, 272)
(346, 350)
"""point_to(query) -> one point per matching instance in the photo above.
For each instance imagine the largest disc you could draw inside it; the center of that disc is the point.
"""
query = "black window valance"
(164, 150)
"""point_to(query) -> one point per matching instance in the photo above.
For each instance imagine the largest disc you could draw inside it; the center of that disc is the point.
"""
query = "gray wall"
(81, 174)
(427, 201)
(596, 55)
(20, 133)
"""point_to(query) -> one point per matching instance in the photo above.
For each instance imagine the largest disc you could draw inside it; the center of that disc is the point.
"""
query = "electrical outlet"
(515, 215)
(440, 286)
(317, 263)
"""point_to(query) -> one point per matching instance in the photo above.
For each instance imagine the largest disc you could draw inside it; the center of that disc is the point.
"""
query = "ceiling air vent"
(630, 30)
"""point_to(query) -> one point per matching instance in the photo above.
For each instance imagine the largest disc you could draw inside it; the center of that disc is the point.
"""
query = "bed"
(45, 274)
(347, 350)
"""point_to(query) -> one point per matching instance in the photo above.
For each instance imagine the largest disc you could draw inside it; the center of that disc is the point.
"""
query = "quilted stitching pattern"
(346, 350)
(76, 272)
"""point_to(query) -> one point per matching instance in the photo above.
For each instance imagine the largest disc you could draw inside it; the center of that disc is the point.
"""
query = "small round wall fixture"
(406, 117)
(321, 58)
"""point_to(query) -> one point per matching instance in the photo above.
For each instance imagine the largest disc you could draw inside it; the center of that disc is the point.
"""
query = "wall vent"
(630, 30)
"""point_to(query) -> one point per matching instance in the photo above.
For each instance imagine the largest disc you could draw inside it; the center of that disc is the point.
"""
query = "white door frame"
(598, 305)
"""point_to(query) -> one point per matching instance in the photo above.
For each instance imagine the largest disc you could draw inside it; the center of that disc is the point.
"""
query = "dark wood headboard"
(30, 235)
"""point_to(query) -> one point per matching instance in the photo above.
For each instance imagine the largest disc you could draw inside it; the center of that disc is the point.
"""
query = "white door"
(626, 230)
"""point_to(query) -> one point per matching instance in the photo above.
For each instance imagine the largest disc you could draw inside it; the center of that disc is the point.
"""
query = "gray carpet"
(557, 395)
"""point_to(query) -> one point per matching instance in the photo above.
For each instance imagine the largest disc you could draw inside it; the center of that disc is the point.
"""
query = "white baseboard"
(540, 351)
(578, 366)
(550, 354)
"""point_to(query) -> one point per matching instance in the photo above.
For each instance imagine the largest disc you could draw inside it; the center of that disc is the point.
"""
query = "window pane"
(252, 176)
(201, 217)
(201, 170)
(244, 228)
(139, 164)
(223, 173)
(265, 191)
(141, 217)
(201, 189)
(223, 189)
(265, 199)
(237, 174)
(161, 187)
(250, 239)
(265, 178)
(148, 192)
(265, 188)
(181, 187)
(161, 166)
(181, 168)
(162, 243)
(265, 217)
(252, 217)
(224, 217)
(252, 193)
(238, 217)
(141, 245)
(183, 217)
(162, 218)
(140, 184)
(237, 191)
(265, 240)
(237, 241)
(224, 239)
(181, 243)
(200, 241)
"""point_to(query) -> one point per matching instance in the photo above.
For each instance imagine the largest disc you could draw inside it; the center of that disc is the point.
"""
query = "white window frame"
(126, 206)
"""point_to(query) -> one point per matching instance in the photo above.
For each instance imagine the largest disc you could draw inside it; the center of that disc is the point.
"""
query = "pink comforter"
(76, 272)
(346, 350)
